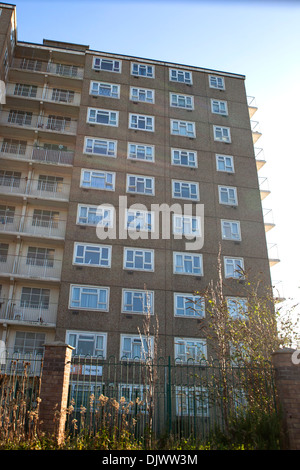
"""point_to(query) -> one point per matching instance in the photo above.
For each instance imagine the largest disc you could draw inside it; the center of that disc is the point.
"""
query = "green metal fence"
(168, 397)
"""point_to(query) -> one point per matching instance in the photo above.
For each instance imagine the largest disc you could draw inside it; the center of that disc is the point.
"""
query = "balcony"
(256, 134)
(39, 94)
(61, 70)
(35, 188)
(259, 158)
(268, 219)
(29, 267)
(273, 254)
(38, 154)
(33, 122)
(33, 226)
(251, 105)
(18, 311)
(264, 187)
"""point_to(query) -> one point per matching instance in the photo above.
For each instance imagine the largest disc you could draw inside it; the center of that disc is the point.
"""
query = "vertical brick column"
(55, 389)
(287, 377)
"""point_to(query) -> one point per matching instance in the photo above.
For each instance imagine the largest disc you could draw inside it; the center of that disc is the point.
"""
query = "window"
(7, 214)
(234, 267)
(29, 342)
(187, 305)
(190, 349)
(62, 96)
(95, 215)
(22, 118)
(58, 123)
(3, 252)
(136, 347)
(186, 225)
(10, 178)
(14, 146)
(184, 157)
(25, 90)
(185, 190)
(87, 343)
(141, 152)
(228, 195)
(225, 163)
(97, 180)
(108, 90)
(106, 148)
(191, 401)
(141, 122)
(222, 134)
(216, 82)
(48, 183)
(231, 230)
(142, 94)
(40, 256)
(183, 128)
(140, 185)
(45, 219)
(139, 220)
(89, 298)
(237, 307)
(181, 76)
(139, 260)
(103, 117)
(100, 63)
(142, 70)
(181, 101)
(219, 107)
(33, 297)
(187, 263)
(92, 255)
(137, 301)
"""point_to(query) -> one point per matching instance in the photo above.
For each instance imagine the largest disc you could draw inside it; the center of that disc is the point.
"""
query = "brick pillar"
(287, 377)
(55, 389)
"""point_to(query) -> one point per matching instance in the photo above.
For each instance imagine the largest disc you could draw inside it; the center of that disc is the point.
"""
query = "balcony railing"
(264, 187)
(251, 105)
(256, 134)
(268, 219)
(259, 157)
(27, 152)
(27, 225)
(34, 122)
(44, 94)
(24, 311)
(28, 266)
(35, 187)
(31, 65)
(273, 254)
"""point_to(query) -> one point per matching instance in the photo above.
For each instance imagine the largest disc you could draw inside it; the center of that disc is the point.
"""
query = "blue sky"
(260, 39)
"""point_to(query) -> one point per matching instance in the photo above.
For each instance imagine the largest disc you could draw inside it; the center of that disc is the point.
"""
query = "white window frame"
(112, 121)
(87, 336)
(237, 307)
(109, 146)
(219, 107)
(137, 68)
(226, 139)
(232, 266)
(190, 259)
(141, 341)
(231, 230)
(116, 64)
(192, 223)
(134, 150)
(192, 401)
(183, 128)
(105, 213)
(113, 88)
(141, 119)
(182, 345)
(146, 298)
(138, 252)
(108, 177)
(140, 220)
(191, 187)
(144, 95)
(231, 193)
(181, 101)
(216, 82)
(181, 76)
(177, 155)
(97, 290)
(92, 247)
(227, 161)
(140, 180)
(197, 309)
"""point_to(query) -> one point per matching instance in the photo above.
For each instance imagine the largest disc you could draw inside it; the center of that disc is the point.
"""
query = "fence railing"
(177, 398)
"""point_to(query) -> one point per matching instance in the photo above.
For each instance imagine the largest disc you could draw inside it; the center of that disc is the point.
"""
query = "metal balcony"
(268, 219)
(61, 70)
(43, 94)
(29, 267)
(38, 154)
(33, 226)
(263, 187)
(34, 122)
(259, 158)
(251, 105)
(256, 134)
(18, 311)
(35, 187)
(273, 254)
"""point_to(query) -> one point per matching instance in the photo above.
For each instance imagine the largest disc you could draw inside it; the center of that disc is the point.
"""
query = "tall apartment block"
(82, 130)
